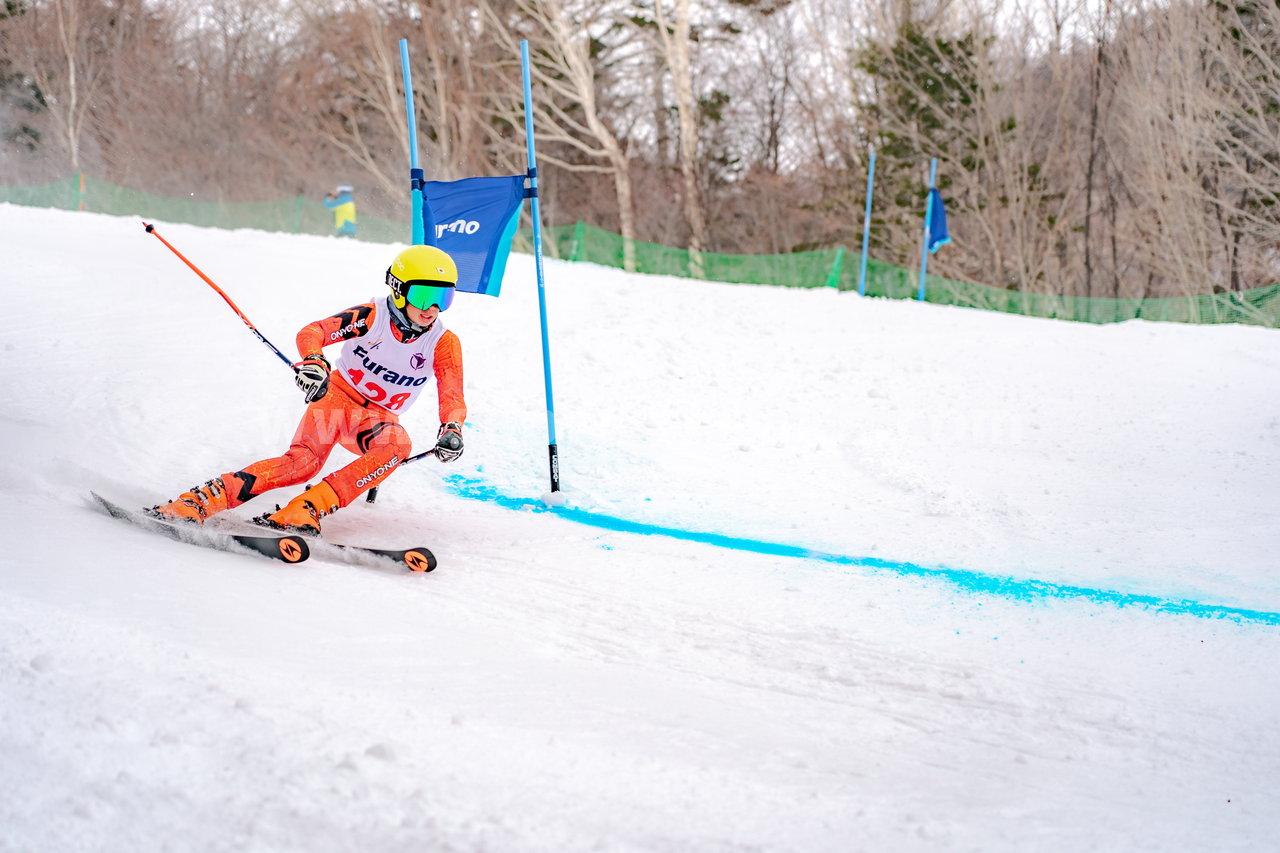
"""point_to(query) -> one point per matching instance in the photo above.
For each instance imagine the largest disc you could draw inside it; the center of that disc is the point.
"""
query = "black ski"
(415, 559)
(288, 548)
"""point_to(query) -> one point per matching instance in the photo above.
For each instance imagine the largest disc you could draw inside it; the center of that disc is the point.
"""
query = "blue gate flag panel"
(474, 220)
(937, 223)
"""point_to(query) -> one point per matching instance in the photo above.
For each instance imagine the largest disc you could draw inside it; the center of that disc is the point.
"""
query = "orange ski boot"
(202, 501)
(303, 513)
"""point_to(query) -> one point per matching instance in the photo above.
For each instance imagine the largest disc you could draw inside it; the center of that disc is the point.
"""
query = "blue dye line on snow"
(994, 585)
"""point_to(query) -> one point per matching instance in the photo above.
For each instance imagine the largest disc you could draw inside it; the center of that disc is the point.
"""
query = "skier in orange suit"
(390, 349)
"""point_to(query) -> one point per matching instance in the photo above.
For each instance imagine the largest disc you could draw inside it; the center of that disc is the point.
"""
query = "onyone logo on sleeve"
(351, 330)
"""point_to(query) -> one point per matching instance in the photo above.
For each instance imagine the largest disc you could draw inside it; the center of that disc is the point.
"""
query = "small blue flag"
(937, 222)
(474, 220)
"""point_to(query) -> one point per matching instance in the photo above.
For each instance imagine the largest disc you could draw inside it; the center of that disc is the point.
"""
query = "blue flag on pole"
(474, 220)
(937, 222)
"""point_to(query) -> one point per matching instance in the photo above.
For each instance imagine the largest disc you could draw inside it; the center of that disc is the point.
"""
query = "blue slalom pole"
(924, 241)
(866, 226)
(552, 450)
(415, 174)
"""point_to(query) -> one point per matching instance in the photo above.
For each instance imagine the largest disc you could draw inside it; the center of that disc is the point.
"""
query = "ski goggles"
(422, 294)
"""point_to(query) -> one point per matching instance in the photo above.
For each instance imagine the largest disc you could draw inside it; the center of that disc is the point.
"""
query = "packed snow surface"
(588, 678)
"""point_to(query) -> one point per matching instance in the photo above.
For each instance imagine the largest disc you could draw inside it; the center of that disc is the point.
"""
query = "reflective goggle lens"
(423, 296)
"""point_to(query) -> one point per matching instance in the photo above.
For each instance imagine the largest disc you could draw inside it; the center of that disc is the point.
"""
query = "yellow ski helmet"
(422, 276)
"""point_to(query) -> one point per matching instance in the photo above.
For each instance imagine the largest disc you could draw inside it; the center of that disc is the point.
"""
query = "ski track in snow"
(558, 686)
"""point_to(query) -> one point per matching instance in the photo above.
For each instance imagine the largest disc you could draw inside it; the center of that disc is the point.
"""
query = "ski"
(414, 559)
(417, 559)
(287, 548)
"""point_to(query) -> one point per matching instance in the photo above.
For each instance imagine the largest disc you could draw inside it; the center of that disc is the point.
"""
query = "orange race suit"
(361, 409)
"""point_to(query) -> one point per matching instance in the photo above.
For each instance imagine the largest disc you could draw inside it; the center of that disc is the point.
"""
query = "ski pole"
(417, 456)
(372, 494)
(152, 230)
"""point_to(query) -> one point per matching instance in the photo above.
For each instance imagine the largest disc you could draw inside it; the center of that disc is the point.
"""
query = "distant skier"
(343, 206)
(391, 350)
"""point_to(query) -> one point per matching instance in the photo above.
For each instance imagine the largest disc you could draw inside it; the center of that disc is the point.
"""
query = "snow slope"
(1041, 609)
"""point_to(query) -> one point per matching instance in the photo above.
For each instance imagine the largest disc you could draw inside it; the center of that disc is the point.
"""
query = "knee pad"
(386, 438)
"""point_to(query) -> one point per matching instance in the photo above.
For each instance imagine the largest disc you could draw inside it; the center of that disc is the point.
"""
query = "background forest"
(1115, 149)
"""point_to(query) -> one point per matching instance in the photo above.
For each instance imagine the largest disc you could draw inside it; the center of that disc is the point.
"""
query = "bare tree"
(675, 38)
(567, 81)
(347, 91)
(469, 76)
(59, 44)
(1242, 79)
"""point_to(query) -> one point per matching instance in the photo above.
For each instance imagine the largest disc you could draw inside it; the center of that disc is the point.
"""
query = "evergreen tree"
(20, 99)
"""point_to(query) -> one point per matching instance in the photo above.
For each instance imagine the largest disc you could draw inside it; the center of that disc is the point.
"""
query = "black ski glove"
(312, 376)
(449, 442)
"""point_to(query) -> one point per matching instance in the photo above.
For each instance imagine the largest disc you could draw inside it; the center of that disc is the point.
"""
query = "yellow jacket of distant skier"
(344, 210)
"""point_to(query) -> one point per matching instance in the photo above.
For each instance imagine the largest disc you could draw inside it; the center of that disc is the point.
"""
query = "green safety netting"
(1259, 307)
(827, 268)
(584, 242)
(841, 268)
(299, 215)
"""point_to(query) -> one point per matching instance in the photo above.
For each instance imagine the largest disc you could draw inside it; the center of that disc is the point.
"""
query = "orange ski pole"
(151, 229)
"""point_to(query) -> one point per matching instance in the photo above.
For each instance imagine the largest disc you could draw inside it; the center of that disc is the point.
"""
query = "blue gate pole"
(415, 174)
(924, 241)
(553, 451)
(866, 225)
